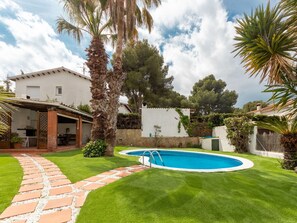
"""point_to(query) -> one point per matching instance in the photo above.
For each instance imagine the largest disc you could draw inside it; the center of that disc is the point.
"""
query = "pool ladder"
(151, 152)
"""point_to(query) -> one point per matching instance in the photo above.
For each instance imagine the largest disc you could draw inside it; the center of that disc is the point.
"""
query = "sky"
(195, 38)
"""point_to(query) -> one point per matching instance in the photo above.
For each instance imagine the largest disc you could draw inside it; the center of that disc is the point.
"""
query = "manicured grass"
(265, 193)
(76, 167)
(11, 175)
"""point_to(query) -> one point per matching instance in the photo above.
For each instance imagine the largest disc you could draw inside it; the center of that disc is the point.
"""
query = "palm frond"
(277, 124)
(64, 26)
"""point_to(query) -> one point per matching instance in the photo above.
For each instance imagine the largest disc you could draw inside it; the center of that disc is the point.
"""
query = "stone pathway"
(47, 196)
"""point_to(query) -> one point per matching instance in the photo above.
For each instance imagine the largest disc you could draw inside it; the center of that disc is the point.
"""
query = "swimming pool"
(189, 161)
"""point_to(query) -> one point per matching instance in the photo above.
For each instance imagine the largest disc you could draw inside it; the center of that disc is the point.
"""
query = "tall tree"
(87, 16)
(209, 96)
(147, 76)
(97, 17)
(126, 15)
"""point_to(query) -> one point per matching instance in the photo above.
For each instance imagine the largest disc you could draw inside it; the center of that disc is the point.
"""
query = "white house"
(57, 85)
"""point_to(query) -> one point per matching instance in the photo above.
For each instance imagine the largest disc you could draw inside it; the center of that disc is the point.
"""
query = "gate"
(269, 141)
(42, 130)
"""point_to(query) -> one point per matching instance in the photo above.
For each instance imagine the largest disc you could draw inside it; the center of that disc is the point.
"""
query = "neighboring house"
(272, 110)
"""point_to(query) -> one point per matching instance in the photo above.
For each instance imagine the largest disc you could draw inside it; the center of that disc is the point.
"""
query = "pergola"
(48, 116)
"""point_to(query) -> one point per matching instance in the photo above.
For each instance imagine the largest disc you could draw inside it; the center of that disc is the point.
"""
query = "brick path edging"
(47, 196)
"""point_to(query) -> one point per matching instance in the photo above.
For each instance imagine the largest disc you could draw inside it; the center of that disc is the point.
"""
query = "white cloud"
(36, 44)
(201, 44)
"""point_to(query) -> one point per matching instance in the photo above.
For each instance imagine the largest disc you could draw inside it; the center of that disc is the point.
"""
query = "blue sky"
(195, 38)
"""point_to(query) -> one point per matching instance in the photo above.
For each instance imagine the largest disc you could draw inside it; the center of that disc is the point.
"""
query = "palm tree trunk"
(116, 81)
(97, 63)
(289, 142)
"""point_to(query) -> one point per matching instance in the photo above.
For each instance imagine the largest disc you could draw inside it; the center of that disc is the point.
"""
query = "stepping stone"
(58, 203)
(109, 180)
(32, 176)
(92, 186)
(22, 221)
(107, 173)
(79, 202)
(94, 179)
(60, 183)
(54, 173)
(18, 210)
(55, 178)
(121, 168)
(30, 187)
(80, 184)
(123, 174)
(57, 217)
(136, 170)
(32, 181)
(26, 196)
(60, 190)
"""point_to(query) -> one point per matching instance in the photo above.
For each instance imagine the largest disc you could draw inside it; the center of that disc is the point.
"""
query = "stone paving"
(47, 196)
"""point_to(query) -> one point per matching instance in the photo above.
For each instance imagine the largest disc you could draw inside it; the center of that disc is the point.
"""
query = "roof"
(48, 72)
(272, 107)
(127, 107)
(43, 106)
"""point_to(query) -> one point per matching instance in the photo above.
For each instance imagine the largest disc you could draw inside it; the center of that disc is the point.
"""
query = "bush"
(238, 131)
(94, 149)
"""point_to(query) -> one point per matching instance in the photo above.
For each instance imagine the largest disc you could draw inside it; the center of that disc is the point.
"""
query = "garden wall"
(132, 137)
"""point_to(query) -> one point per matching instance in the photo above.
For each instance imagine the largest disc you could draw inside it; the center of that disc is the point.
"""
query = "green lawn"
(265, 193)
(11, 175)
(76, 167)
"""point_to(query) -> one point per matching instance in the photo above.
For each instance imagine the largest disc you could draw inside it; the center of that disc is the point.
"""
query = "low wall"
(221, 132)
(132, 137)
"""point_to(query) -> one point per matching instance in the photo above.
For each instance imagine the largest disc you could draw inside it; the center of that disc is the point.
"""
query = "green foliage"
(209, 96)
(94, 149)
(15, 138)
(147, 78)
(282, 125)
(252, 105)
(129, 121)
(184, 120)
(238, 131)
(85, 108)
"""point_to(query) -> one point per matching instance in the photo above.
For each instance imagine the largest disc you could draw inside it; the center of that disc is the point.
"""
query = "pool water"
(191, 161)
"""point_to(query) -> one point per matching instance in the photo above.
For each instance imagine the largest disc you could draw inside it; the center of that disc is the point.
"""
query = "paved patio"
(47, 196)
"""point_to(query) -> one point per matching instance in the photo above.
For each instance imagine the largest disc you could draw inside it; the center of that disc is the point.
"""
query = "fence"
(269, 142)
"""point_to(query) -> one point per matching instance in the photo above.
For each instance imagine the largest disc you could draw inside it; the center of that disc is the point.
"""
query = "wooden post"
(52, 130)
(79, 132)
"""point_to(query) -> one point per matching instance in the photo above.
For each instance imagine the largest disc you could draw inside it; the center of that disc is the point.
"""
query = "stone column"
(79, 132)
(52, 130)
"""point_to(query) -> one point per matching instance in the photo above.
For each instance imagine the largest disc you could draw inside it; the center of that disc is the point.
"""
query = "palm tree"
(95, 17)
(266, 43)
(126, 15)
(288, 129)
(88, 16)
(5, 109)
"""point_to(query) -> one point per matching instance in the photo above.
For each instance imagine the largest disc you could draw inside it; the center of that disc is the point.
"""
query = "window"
(33, 92)
(58, 90)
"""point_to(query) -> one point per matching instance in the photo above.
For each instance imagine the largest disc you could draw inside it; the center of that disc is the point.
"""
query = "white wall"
(75, 90)
(166, 118)
(23, 118)
(224, 142)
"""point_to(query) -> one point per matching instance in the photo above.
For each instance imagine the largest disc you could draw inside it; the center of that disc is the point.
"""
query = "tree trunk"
(116, 81)
(289, 142)
(97, 63)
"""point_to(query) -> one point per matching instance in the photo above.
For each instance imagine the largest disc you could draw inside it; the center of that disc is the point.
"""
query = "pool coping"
(246, 164)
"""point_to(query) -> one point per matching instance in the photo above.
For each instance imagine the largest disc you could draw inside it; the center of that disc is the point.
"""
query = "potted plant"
(16, 140)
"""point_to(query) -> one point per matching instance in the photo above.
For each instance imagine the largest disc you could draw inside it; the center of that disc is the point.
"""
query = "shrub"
(238, 131)
(85, 108)
(94, 149)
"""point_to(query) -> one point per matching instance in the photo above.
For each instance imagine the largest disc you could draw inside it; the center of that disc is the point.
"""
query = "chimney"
(259, 107)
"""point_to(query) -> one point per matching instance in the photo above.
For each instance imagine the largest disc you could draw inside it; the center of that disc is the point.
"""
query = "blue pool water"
(189, 160)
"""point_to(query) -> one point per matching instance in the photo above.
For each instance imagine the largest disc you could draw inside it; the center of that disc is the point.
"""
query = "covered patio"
(45, 126)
